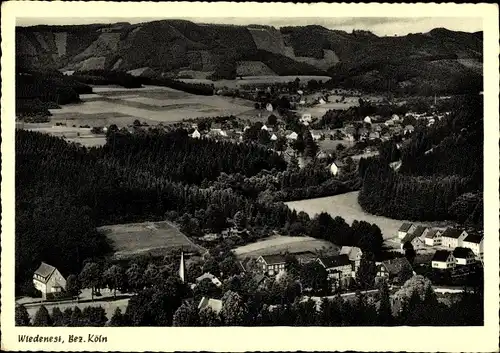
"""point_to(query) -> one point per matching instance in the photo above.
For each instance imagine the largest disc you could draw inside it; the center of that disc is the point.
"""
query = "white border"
(476, 339)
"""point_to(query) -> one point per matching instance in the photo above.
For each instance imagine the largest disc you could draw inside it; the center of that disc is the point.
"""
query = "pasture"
(249, 80)
(154, 238)
(281, 244)
(151, 104)
(347, 206)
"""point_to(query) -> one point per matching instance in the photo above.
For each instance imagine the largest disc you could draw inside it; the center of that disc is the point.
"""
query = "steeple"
(182, 267)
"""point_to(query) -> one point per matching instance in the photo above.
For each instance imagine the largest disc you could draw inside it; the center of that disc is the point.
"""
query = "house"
(316, 135)
(322, 155)
(405, 229)
(214, 304)
(292, 136)
(354, 254)
(443, 260)
(394, 269)
(196, 134)
(475, 243)
(271, 264)
(453, 237)
(464, 256)
(433, 237)
(306, 117)
(409, 129)
(389, 123)
(374, 135)
(367, 120)
(336, 167)
(264, 127)
(211, 277)
(338, 268)
(416, 237)
(274, 137)
(47, 279)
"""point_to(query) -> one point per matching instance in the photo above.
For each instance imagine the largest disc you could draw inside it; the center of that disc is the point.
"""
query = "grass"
(281, 244)
(154, 238)
(346, 206)
(255, 80)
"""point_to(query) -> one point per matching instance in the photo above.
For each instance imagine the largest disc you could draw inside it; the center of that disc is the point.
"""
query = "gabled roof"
(463, 253)
(441, 255)
(45, 270)
(335, 261)
(432, 233)
(405, 227)
(350, 251)
(474, 238)
(207, 276)
(395, 266)
(452, 233)
(274, 259)
(305, 256)
(214, 304)
(419, 230)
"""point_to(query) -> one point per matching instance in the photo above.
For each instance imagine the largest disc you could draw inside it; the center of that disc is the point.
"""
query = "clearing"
(154, 238)
(347, 206)
(281, 244)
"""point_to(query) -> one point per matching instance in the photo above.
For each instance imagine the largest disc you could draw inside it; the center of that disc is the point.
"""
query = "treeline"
(245, 303)
(441, 165)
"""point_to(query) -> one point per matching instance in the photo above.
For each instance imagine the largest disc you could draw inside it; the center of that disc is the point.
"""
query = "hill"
(437, 61)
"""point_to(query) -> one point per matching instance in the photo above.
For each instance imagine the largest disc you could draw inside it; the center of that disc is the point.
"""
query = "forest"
(63, 192)
(441, 165)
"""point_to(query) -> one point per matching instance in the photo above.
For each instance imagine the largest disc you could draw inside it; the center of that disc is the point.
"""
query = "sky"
(381, 26)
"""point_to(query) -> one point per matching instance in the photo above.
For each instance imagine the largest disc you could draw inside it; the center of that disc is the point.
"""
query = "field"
(75, 134)
(155, 238)
(152, 104)
(280, 244)
(346, 206)
(248, 80)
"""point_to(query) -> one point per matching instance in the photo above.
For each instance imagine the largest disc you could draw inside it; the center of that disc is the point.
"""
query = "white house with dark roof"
(271, 264)
(453, 237)
(47, 279)
(416, 238)
(443, 260)
(475, 243)
(433, 237)
(405, 229)
(464, 256)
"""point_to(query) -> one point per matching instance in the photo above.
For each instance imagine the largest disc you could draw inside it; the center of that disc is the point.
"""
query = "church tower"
(182, 267)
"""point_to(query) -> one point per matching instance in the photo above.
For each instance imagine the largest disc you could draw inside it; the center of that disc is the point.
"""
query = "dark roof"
(452, 233)
(462, 253)
(274, 259)
(419, 230)
(335, 261)
(395, 266)
(305, 256)
(45, 270)
(441, 255)
(474, 238)
(405, 227)
(432, 233)
(259, 277)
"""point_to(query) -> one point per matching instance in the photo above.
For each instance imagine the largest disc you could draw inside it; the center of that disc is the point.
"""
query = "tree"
(135, 279)
(209, 318)
(367, 271)
(57, 317)
(137, 123)
(206, 288)
(234, 310)
(385, 310)
(94, 316)
(151, 275)
(42, 317)
(118, 319)
(114, 277)
(73, 286)
(292, 265)
(22, 316)
(272, 120)
(310, 146)
(314, 277)
(240, 220)
(186, 315)
(91, 277)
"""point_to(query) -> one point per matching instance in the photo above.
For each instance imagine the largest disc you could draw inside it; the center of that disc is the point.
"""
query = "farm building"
(271, 264)
(338, 267)
(305, 257)
(453, 237)
(392, 270)
(475, 243)
(464, 256)
(48, 280)
(443, 259)
(354, 253)
(405, 229)
(416, 238)
(433, 237)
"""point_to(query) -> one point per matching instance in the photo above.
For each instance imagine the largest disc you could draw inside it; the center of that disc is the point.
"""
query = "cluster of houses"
(453, 246)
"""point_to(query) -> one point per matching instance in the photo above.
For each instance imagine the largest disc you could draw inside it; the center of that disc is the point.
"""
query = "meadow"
(154, 238)
(249, 80)
(346, 206)
(281, 244)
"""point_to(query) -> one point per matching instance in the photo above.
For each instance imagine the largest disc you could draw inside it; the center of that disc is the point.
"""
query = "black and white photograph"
(249, 171)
